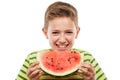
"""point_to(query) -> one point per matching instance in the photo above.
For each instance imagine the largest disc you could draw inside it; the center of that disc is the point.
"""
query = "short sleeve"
(31, 58)
(100, 75)
(22, 73)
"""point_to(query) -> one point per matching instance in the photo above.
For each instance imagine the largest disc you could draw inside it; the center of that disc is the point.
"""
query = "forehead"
(61, 23)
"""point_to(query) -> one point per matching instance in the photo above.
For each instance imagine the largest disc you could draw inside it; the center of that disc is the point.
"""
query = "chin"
(62, 49)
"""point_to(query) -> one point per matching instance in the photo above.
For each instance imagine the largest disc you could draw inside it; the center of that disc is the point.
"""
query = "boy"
(61, 29)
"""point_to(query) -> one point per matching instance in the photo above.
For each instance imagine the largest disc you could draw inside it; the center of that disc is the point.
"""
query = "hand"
(86, 70)
(34, 72)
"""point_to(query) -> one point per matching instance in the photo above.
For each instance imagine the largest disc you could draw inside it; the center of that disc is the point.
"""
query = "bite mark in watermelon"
(59, 64)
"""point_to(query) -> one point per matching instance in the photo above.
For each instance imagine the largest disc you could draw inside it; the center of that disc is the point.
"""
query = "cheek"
(52, 39)
(71, 38)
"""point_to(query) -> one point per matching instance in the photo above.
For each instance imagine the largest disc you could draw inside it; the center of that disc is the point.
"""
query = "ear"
(45, 32)
(78, 30)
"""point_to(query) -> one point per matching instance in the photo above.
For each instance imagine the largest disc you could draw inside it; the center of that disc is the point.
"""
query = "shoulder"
(34, 53)
(32, 57)
(82, 51)
(87, 56)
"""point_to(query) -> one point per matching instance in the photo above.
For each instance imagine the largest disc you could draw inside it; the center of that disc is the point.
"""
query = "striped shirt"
(87, 57)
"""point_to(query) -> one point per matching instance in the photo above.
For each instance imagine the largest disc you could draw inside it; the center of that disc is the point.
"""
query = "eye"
(55, 32)
(69, 32)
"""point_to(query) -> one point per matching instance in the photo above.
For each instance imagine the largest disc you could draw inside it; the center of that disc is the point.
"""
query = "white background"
(20, 33)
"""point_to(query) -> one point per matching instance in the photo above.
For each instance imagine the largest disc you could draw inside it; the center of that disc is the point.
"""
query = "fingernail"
(80, 71)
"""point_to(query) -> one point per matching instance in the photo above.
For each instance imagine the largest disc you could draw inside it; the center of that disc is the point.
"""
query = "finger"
(80, 71)
(34, 64)
(92, 70)
(84, 70)
(87, 74)
(86, 65)
(88, 71)
(38, 76)
(31, 69)
(34, 74)
(35, 77)
(87, 78)
(41, 72)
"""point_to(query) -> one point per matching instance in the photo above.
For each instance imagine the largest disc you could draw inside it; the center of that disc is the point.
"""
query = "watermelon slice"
(59, 64)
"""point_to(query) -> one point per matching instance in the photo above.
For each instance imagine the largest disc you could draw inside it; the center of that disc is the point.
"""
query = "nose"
(62, 38)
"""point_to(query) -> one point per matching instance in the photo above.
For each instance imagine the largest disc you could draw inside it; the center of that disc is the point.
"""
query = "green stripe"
(87, 55)
(22, 77)
(81, 51)
(96, 65)
(87, 60)
(23, 71)
(100, 76)
(25, 66)
(33, 58)
(92, 60)
(27, 61)
(98, 70)
(33, 53)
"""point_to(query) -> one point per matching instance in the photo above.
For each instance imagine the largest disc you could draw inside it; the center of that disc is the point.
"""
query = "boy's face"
(61, 33)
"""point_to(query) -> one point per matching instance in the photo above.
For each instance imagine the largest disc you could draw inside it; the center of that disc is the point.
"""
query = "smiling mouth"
(62, 46)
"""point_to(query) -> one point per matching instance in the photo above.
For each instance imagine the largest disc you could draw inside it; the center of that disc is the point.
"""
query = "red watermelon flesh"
(60, 64)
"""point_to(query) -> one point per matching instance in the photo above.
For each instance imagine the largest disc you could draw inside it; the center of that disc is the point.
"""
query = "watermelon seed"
(76, 58)
(57, 68)
(48, 63)
(51, 59)
(58, 63)
(69, 60)
(52, 65)
(73, 52)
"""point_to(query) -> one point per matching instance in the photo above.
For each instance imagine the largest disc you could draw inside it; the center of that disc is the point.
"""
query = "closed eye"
(69, 32)
(55, 32)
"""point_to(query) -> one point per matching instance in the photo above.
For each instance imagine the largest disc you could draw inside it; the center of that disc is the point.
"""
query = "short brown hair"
(60, 9)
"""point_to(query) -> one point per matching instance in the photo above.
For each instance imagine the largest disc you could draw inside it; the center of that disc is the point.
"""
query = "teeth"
(61, 46)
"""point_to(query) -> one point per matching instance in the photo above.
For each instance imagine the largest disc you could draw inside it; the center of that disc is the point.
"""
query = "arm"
(30, 69)
(22, 73)
(99, 74)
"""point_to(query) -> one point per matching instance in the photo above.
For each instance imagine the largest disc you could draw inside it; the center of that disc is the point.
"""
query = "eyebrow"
(65, 30)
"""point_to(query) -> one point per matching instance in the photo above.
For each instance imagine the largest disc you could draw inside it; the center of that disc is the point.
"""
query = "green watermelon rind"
(54, 73)
(73, 77)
